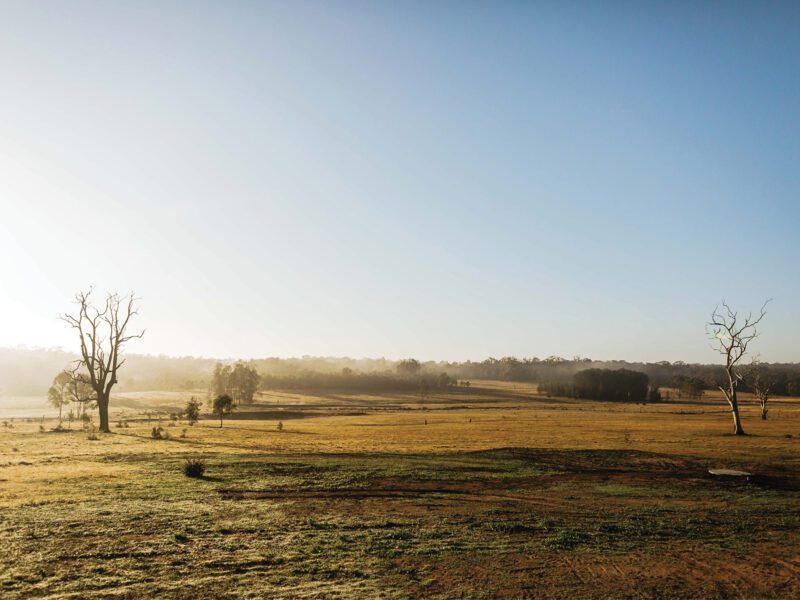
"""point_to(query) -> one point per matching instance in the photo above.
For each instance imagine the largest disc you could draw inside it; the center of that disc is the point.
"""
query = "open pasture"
(491, 491)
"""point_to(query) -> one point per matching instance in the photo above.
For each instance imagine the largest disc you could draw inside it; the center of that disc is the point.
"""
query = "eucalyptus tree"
(102, 334)
(732, 335)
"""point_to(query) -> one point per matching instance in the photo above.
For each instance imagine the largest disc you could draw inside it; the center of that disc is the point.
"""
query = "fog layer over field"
(26, 374)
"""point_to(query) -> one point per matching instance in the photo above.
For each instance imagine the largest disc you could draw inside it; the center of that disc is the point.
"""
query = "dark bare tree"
(102, 331)
(761, 380)
(732, 335)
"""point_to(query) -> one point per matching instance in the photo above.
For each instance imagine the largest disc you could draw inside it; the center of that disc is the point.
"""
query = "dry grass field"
(486, 492)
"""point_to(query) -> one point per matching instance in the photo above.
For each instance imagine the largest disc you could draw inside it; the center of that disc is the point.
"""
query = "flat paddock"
(501, 494)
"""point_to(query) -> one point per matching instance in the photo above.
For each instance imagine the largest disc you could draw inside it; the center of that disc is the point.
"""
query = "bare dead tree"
(732, 336)
(760, 379)
(103, 334)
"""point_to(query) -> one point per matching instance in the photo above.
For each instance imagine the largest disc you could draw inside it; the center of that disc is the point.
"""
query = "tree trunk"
(763, 410)
(102, 408)
(220, 421)
(737, 421)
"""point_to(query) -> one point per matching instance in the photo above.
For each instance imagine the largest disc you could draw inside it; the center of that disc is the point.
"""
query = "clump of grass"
(508, 527)
(566, 539)
(181, 537)
(194, 467)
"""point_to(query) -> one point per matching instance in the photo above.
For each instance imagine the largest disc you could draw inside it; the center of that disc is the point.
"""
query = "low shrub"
(194, 467)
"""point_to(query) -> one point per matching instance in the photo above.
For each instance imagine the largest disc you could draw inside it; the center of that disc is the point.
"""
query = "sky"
(442, 180)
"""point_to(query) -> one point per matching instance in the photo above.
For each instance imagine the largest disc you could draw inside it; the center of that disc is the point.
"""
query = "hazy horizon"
(390, 359)
(438, 181)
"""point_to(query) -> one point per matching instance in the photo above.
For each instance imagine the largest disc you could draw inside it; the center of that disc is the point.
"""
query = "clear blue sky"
(440, 180)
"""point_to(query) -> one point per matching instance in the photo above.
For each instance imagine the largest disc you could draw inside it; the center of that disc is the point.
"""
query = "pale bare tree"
(732, 335)
(760, 379)
(102, 331)
(79, 390)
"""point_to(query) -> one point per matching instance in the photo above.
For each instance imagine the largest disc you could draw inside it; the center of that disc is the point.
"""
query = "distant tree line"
(610, 385)
(30, 371)
(690, 380)
(353, 382)
(689, 387)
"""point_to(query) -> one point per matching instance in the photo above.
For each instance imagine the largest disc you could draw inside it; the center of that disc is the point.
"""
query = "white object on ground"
(729, 472)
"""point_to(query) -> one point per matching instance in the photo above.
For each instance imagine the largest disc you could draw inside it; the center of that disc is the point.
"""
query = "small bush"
(183, 433)
(280, 426)
(192, 411)
(194, 467)
(157, 433)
